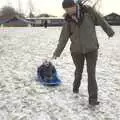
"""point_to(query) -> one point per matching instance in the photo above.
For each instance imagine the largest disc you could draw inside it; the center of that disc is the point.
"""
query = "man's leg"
(78, 60)
(91, 59)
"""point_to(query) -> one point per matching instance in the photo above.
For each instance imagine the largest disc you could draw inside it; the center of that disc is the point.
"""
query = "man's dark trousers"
(91, 59)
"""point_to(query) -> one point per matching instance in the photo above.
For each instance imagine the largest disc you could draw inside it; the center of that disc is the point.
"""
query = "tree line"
(9, 12)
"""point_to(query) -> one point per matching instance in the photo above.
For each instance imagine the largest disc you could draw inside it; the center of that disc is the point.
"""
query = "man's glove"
(54, 57)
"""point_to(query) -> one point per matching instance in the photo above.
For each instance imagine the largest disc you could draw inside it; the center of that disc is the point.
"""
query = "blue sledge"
(53, 82)
(47, 74)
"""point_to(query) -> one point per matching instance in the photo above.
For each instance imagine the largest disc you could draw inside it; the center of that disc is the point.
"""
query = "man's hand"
(54, 57)
(112, 34)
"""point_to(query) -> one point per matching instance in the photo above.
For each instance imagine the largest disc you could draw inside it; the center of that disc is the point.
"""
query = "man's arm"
(64, 36)
(103, 23)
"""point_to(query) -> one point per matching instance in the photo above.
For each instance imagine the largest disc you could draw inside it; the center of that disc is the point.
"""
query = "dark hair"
(68, 3)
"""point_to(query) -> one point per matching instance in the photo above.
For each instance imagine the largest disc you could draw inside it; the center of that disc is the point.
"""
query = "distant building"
(14, 22)
(113, 19)
(2, 21)
(51, 21)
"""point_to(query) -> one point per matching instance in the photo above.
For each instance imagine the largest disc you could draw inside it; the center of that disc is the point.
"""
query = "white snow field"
(22, 50)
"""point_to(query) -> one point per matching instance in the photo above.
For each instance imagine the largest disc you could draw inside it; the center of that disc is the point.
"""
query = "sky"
(54, 7)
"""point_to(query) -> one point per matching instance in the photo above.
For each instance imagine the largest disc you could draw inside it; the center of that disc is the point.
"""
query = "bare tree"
(31, 8)
(9, 12)
(19, 6)
(8, 3)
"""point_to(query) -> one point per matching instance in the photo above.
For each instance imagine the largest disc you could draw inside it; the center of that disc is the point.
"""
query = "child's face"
(71, 10)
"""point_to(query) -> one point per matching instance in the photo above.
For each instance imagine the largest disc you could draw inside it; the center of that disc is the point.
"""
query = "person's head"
(69, 6)
(47, 70)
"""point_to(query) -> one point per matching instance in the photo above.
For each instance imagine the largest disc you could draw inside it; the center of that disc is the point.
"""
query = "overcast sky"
(54, 7)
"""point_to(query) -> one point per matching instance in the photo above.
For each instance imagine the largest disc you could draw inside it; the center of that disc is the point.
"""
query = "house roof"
(113, 14)
(7, 20)
(41, 18)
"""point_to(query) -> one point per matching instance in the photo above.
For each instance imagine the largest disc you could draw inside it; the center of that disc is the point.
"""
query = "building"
(14, 22)
(2, 21)
(113, 19)
(50, 21)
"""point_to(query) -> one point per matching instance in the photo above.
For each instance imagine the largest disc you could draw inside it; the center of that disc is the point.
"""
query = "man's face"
(71, 10)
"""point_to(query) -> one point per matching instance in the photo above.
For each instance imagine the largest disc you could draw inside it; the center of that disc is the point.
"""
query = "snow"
(22, 50)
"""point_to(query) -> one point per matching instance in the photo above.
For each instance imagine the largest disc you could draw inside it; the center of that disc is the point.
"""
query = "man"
(80, 28)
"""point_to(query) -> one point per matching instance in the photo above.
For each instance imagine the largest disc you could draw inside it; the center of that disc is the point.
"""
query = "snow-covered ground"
(22, 50)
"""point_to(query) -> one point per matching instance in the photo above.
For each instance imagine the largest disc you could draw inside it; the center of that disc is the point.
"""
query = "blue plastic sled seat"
(53, 82)
(47, 74)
